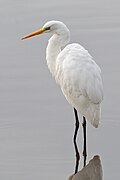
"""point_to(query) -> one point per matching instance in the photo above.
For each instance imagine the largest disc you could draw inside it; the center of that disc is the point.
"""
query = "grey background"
(36, 122)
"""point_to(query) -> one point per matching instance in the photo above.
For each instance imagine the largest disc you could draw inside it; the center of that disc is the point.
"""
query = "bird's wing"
(77, 72)
(90, 81)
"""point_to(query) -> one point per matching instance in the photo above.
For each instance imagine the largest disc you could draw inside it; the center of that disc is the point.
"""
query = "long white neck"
(55, 45)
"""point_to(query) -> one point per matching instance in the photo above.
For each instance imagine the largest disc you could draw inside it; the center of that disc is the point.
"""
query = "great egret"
(77, 74)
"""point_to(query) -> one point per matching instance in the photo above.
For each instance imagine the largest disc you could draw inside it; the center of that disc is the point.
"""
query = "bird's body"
(77, 74)
(80, 81)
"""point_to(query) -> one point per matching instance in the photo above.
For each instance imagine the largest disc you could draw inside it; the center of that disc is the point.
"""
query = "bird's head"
(54, 27)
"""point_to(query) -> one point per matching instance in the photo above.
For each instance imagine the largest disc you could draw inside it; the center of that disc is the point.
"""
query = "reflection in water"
(92, 171)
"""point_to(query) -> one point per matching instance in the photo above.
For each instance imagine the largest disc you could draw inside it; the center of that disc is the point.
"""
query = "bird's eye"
(47, 28)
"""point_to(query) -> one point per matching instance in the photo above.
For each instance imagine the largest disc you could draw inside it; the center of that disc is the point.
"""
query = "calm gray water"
(36, 122)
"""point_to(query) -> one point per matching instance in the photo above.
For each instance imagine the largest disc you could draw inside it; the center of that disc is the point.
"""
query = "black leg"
(74, 140)
(84, 147)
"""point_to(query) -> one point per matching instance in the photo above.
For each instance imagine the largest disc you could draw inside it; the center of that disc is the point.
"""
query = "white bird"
(77, 74)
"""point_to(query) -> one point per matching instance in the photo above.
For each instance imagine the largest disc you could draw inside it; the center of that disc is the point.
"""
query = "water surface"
(36, 122)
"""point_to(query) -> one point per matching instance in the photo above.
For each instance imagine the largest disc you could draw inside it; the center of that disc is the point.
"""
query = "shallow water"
(33, 111)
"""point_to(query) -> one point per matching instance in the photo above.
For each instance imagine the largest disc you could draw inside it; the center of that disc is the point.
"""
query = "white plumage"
(74, 70)
(80, 81)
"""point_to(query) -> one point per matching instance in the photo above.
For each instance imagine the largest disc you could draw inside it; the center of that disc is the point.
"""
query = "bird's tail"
(93, 114)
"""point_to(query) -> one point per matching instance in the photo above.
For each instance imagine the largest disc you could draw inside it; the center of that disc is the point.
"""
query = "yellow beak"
(40, 31)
